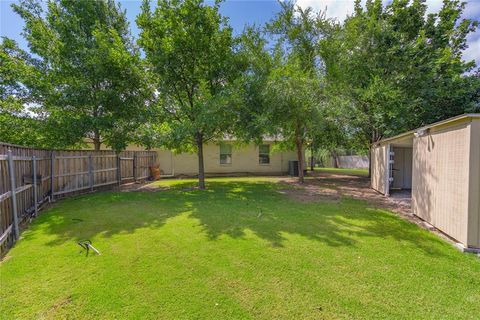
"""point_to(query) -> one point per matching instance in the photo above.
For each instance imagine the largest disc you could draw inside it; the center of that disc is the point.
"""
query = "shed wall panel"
(474, 193)
(379, 167)
(440, 185)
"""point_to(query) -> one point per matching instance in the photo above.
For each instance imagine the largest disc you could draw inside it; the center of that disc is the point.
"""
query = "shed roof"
(435, 124)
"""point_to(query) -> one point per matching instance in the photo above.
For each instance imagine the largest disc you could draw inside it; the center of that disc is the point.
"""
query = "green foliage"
(294, 94)
(90, 82)
(256, 64)
(384, 70)
(15, 69)
(293, 99)
(190, 49)
(398, 68)
(16, 126)
(20, 129)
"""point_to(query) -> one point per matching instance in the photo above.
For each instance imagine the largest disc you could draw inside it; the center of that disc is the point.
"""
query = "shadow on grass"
(230, 208)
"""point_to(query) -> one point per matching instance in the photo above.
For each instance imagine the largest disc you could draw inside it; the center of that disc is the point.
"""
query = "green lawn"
(239, 250)
(358, 172)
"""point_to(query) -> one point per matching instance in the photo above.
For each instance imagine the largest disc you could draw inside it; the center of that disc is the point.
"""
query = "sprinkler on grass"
(87, 245)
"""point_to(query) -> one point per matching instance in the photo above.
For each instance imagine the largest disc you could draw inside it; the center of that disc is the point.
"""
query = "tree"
(90, 82)
(398, 69)
(190, 49)
(256, 64)
(16, 126)
(294, 91)
(294, 98)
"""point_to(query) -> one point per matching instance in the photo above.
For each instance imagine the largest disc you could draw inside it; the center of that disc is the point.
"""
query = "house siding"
(245, 159)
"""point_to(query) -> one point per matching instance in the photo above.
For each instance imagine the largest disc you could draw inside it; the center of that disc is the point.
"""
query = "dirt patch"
(140, 187)
(150, 187)
(311, 193)
(331, 186)
(328, 186)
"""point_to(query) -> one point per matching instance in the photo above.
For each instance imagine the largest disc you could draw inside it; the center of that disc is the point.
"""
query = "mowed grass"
(357, 172)
(240, 250)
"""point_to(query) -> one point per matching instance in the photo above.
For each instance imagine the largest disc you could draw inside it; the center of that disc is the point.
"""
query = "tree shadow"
(230, 209)
(105, 214)
(271, 216)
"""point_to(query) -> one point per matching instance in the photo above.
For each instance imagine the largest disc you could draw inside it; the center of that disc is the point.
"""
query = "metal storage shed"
(440, 164)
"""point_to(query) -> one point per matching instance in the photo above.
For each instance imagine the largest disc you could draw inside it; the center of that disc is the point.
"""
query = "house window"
(264, 154)
(225, 153)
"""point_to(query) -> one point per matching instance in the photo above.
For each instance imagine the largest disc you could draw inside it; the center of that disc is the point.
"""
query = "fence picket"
(11, 171)
(35, 191)
(29, 177)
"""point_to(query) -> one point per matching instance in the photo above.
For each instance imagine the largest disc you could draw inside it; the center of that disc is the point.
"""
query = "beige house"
(227, 158)
(440, 164)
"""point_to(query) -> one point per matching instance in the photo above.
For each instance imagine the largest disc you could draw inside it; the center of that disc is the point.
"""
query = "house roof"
(435, 124)
(265, 138)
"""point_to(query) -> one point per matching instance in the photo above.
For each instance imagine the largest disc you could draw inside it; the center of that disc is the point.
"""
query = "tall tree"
(256, 64)
(16, 68)
(295, 88)
(294, 99)
(91, 83)
(190, 48)
(398, 68)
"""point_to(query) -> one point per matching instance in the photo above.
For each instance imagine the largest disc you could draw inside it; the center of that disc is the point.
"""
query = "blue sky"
(241, 12)
(238, 12)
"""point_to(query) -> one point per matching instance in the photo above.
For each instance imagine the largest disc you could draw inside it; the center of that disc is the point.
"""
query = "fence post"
(90, 171)
(119, 172)
(52, 175)
(134, 166)
(35, 190)
(11, 170)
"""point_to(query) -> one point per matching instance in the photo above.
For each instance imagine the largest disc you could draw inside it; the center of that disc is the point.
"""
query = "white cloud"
(334, 8)
(339, 9)
(434, 5)
(473, 50)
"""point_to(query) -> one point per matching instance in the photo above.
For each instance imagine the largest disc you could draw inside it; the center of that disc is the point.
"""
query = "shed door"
(398, 171)
(407, 176)
(402, 168)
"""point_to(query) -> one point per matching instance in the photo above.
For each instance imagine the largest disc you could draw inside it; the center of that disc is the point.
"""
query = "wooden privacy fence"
(30, 177)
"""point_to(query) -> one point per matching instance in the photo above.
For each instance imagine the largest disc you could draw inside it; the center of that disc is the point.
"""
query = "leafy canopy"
(90, 80)
(189, 47)
(398, 68)
(190, 50)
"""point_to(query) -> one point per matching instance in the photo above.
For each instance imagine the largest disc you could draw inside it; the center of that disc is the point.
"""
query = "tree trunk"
(312, 160)
(96, 140)
(335, 159)
(201, 167)
(299, 144)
